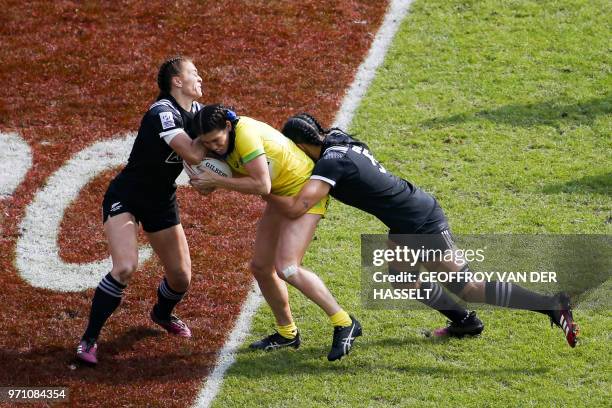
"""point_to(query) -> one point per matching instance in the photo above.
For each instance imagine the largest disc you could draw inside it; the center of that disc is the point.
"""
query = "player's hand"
(204, 181)
(203, 191)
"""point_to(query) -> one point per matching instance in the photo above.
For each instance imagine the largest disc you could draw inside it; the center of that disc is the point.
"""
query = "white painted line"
(365, 74)
(227, 355)
(376, 56)
(37, 252)
(15, 161)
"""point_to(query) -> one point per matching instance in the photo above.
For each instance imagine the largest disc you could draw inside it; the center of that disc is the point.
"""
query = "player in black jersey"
(144, 192)
(347, 170)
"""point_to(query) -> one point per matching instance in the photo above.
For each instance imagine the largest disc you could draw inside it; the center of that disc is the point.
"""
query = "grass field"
(503, 110)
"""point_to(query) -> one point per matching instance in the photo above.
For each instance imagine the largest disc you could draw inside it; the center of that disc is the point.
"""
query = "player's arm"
(324, 176)
(296, 206)
(256, 182)
(169, 125)
(191, 151)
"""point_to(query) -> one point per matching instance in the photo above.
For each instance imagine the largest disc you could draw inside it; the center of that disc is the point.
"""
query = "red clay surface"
(77, 72)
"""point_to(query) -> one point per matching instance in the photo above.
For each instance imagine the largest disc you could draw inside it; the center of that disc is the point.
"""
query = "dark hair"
(212, 117)
(304, 128)
(310, 119)
(167, 70)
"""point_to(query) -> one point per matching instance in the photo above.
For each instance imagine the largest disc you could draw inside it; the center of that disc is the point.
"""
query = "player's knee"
(260, 271)
(123, 272)
(286, 272)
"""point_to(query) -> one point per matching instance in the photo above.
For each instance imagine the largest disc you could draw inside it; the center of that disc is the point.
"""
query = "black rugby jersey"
(153, 166)
(358, 180)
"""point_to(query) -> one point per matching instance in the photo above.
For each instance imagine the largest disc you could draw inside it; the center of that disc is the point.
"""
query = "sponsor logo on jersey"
(174, 158)
(167, 121)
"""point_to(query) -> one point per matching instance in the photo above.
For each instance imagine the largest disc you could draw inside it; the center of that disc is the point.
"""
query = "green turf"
(503, 110)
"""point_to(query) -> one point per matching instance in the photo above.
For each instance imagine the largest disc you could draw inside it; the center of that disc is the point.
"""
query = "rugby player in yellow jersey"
(270, 163)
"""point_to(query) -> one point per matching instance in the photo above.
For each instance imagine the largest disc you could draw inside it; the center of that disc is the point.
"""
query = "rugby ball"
(218, 166)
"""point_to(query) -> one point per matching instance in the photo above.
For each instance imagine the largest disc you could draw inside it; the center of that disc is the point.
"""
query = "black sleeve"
(329, 170)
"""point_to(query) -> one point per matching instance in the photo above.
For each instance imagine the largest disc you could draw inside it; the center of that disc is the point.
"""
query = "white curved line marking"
(37, 254)
(182, 179)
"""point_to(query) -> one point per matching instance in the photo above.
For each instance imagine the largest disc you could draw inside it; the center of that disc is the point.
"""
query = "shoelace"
(344, 341)
(450, 323)
(274, 344)
(88, 346)
(272, 336)
(177, 321)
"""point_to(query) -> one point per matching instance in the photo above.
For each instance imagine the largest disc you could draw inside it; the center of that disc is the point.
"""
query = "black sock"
(513, 296)
(167, 298)
(440, 300)
(105, 301)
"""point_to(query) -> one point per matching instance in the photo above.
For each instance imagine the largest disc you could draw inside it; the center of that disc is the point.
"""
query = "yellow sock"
(341, 319)
(289, 331)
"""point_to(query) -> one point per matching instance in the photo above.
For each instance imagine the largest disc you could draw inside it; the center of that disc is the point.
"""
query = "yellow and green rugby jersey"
(289, 166)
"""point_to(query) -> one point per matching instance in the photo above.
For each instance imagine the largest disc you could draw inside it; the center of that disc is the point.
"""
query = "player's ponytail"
(304, 128)
(167, 70)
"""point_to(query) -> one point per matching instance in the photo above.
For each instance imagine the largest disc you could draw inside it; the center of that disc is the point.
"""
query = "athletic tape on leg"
(289, 271)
